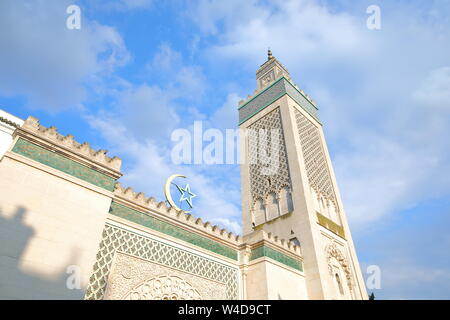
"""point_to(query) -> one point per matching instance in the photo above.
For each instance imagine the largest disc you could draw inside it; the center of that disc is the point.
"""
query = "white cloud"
(148, 112)
(48, 63)
(435, 90)
(150, 165)
(182, 80)
(226, 117)
(190, 82)
(165, 60)
(120, 5)
(378, 95)
(139, 127)
(380, 176)
(295, 30)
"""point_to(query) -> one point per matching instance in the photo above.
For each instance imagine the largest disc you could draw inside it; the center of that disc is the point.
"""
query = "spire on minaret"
(270, 71)
(269, 54)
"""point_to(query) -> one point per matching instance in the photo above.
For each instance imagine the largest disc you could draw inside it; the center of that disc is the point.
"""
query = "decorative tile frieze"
(63, 164)
(140, 200)
(116, 239)
(266, 251)
(164, 227)
(272, 93)
(32, 126)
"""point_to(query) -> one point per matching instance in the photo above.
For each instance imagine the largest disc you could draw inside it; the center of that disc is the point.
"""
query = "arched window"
(259, 212)
(339, 283)
(286, 205)
(272, 206)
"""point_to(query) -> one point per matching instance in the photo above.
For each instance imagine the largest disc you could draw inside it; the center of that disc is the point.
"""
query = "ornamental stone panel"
(133, 278)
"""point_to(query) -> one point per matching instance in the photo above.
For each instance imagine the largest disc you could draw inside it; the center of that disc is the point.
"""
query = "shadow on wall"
(16, 282)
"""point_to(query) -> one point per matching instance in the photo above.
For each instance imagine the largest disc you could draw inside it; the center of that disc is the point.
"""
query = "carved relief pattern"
(315, 161)
(117, 239)
(139, 279)
(332, 251)
(163, 288)
(268, 78)
(263, 184)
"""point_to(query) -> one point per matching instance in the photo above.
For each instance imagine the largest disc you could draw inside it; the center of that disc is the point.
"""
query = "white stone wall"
(48, 222)
(270, 280)
(6, 131)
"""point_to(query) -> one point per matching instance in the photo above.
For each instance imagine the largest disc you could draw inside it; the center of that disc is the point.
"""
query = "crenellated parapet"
(261, 236)
(271, 92)
(84, 150)
(127, 203)
(150, 205)
(262, 247)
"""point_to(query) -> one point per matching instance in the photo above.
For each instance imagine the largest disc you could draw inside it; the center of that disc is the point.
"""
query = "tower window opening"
(295, 241)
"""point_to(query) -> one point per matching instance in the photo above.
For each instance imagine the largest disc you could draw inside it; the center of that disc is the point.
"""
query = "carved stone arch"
(267, 194)
(259, 211)
(285, 185)
(272, 203)
(163, 288)
(285, 196)
(332, 251)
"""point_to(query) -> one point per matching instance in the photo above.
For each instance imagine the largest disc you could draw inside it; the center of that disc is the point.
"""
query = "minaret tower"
(288, 184)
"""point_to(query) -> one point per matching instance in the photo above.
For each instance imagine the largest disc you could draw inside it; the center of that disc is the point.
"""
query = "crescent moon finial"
(167, 191)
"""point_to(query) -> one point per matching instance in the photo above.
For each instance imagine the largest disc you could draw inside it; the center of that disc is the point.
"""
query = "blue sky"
(138, 69)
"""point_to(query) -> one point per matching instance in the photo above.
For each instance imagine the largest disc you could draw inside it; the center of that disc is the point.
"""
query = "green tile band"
(271, 94)
(171, 230)
(265, 251)
(61, 163)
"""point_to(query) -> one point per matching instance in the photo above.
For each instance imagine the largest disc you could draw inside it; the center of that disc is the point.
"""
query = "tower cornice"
(280, 87)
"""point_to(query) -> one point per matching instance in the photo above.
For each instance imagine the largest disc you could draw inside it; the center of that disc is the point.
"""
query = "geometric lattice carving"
(266, 137)
(163, 288)
(129, 273)
(332, 251)
(316, 165)
(117, 239)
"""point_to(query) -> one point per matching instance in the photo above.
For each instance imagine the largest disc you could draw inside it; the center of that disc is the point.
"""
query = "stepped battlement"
(166, 211)
(151, 204)
(32, 125)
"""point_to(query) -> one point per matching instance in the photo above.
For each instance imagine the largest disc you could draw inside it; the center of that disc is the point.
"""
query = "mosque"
(70, 230)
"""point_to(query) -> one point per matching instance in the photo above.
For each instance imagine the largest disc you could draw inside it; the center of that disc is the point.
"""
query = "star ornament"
(186, 195)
